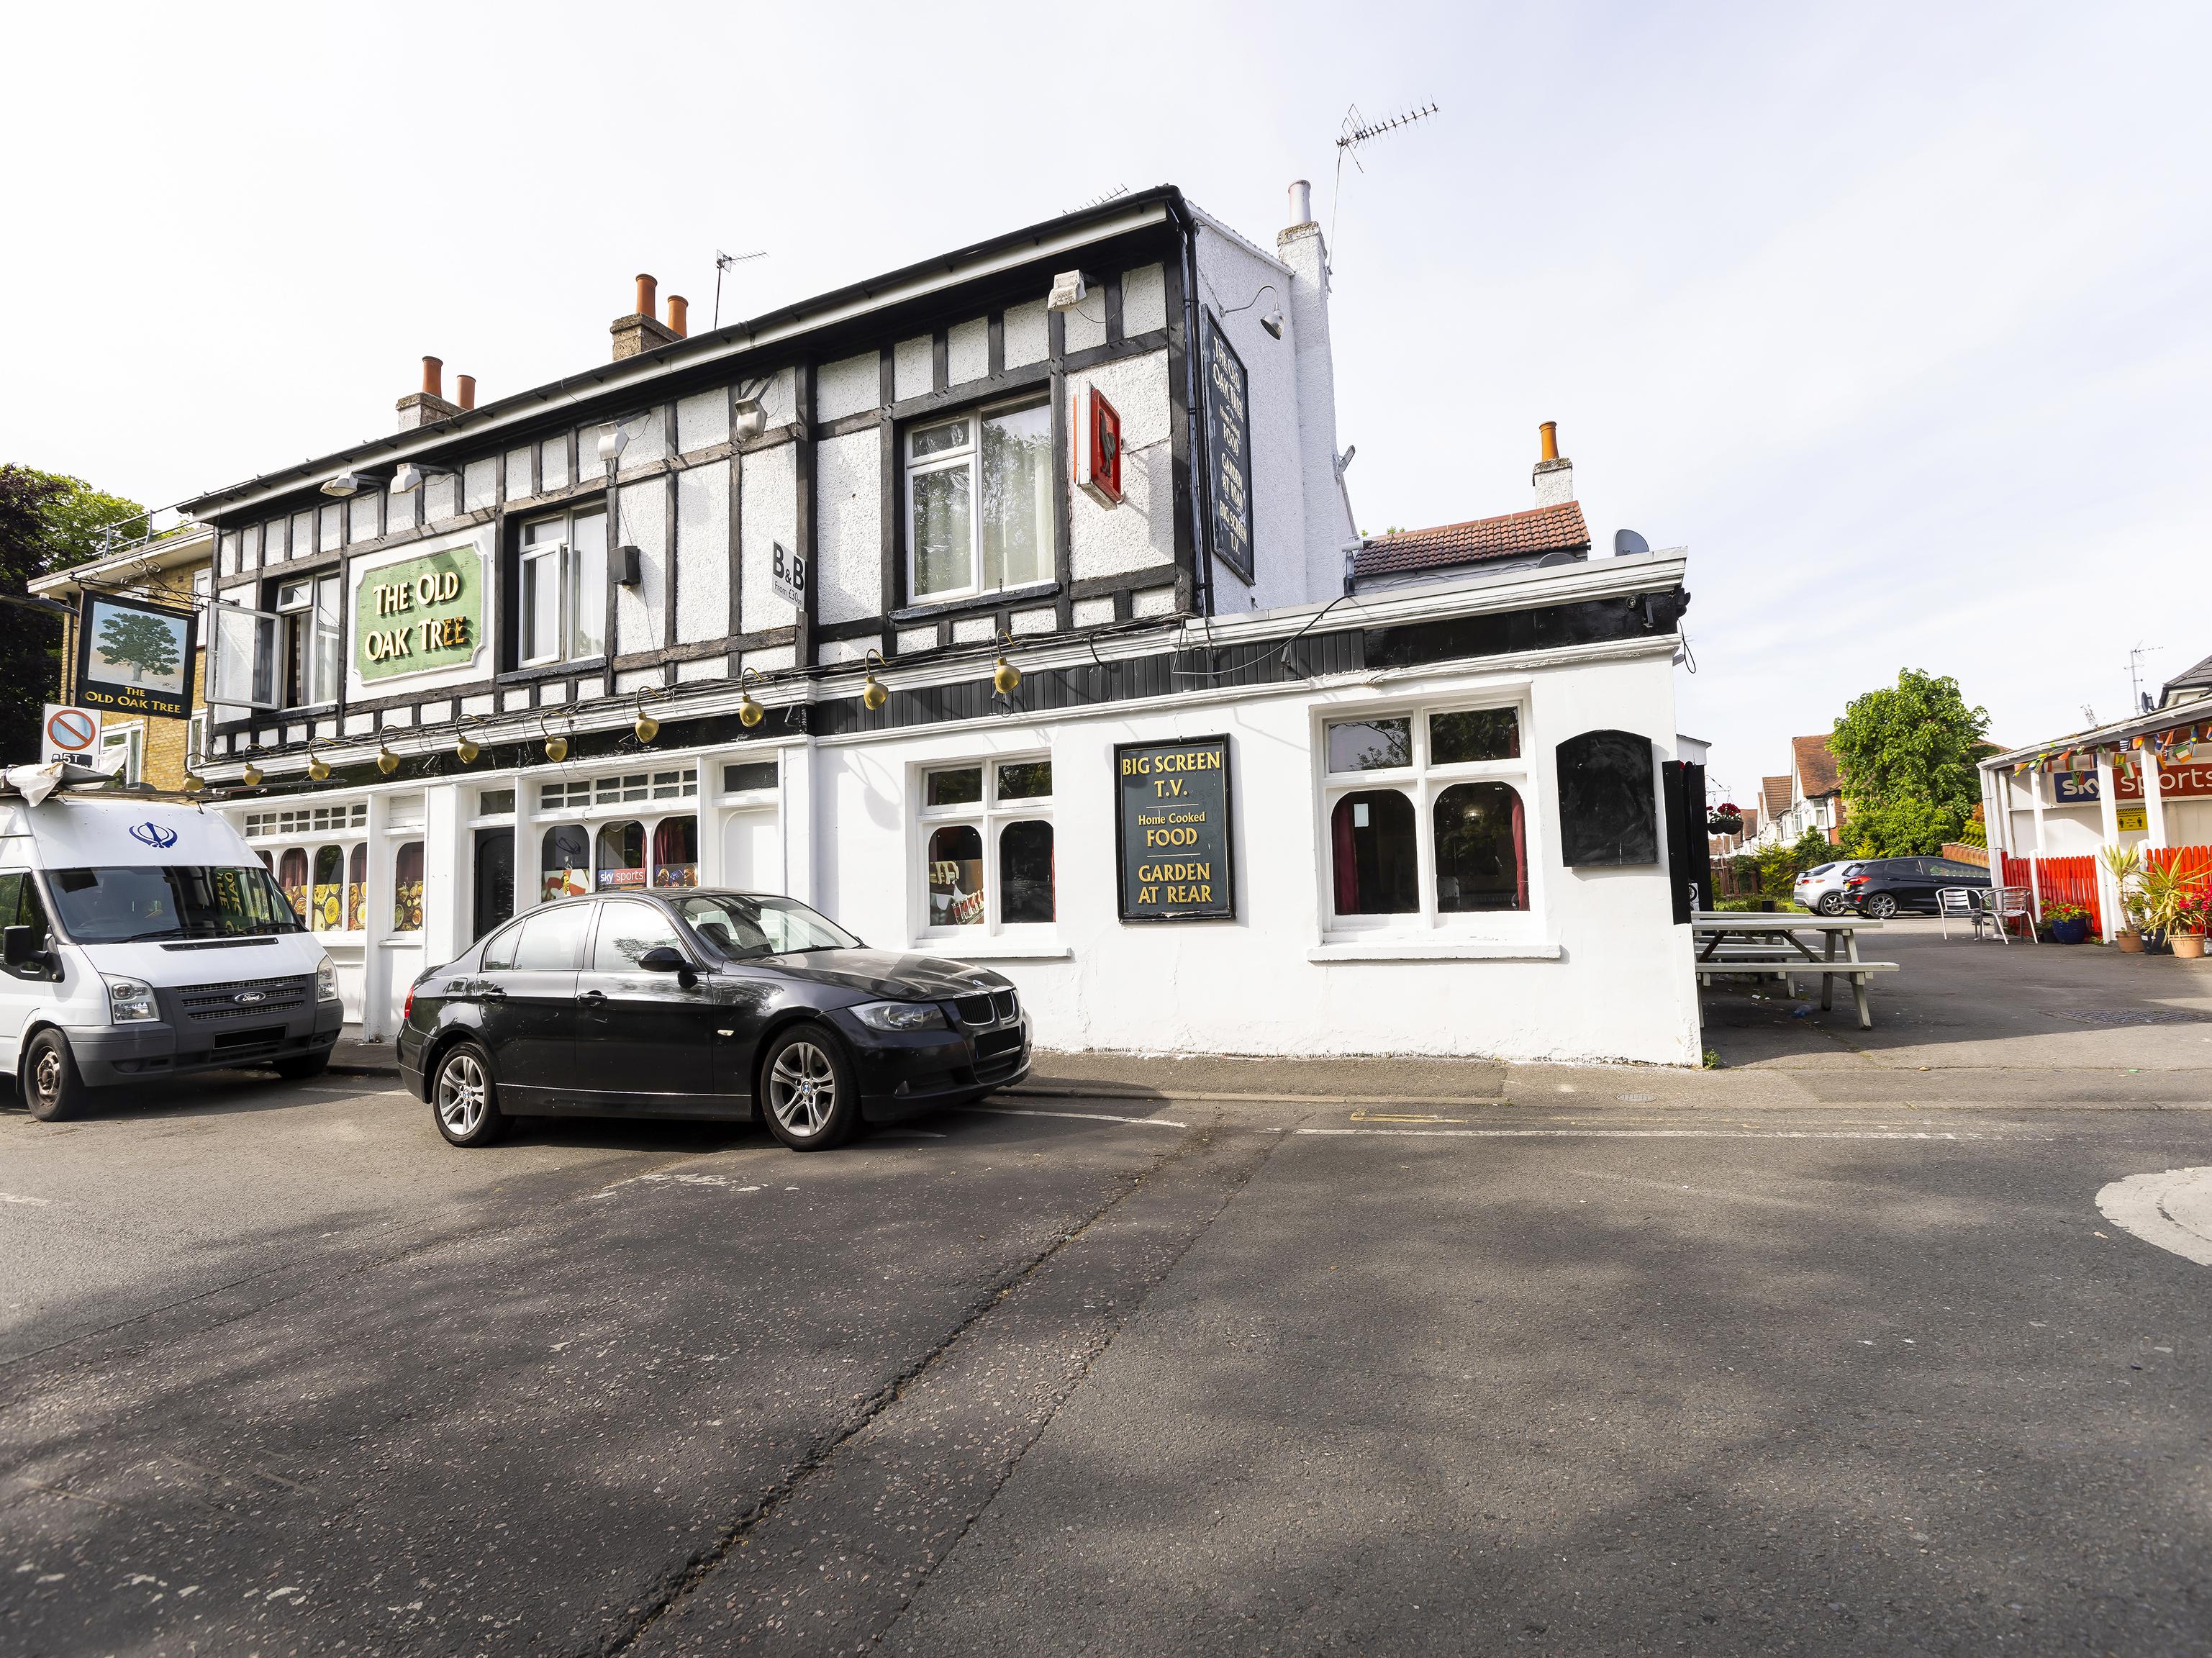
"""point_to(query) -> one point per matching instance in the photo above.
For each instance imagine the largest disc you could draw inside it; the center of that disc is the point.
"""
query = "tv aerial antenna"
(722, 263)
(1358, 130)
(2137, 700)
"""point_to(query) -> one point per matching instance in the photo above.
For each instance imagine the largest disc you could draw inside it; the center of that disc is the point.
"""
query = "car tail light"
(1855, 881)
(407, 1007)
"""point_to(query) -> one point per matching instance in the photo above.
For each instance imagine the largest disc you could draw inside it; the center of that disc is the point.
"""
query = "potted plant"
(1726, 818)
(2166, 894)
(2125, 865)
(2186, 935)
(2069, 923)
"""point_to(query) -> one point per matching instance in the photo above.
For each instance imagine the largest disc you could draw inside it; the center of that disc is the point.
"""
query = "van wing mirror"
(19, 947)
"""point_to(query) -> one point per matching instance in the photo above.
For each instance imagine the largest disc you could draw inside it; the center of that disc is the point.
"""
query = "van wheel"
(807, 1086)
(301, 1066)
(51, 1087)
(464, 1098)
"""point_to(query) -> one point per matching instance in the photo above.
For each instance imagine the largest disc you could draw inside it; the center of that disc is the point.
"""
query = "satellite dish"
(1626, 542)
(1561, 557)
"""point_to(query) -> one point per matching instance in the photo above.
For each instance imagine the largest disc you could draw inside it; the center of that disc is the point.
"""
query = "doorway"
(494, 891)
(752, 852)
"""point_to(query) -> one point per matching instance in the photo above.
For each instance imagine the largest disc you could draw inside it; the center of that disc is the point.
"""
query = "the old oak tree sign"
(1172, 830)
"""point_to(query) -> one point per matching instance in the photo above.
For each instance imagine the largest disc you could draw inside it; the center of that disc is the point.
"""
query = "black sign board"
(1609, 808)
(134, 658)
(1228, 449)
(1172, 830)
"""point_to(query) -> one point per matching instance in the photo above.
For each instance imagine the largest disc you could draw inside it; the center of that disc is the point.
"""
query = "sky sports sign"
(2193, 782)
(133, 658)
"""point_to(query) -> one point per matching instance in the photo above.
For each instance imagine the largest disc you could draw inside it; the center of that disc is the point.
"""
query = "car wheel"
(808, 1096)
(464, 1098)
(1831, 904)
(53, 1089)
(1881, 906)
(301, 1066)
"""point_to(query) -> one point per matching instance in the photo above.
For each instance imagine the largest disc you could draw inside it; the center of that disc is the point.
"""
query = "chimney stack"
(465, 385)
(421, 408)
(679, 313)
(1554, 476)
(641, 330)
(1301, 204)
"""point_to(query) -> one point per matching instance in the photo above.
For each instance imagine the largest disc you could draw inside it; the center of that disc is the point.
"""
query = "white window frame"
(131, 739)
(1422, 783)
(562, 555)
(298, 615)
(989, 816)
(968, 456)
(234, 629)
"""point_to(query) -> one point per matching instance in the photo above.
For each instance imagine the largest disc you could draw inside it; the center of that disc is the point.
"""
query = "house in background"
(1808, 795)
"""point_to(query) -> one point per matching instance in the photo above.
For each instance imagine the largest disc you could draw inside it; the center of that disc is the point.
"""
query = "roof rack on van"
(35, 783)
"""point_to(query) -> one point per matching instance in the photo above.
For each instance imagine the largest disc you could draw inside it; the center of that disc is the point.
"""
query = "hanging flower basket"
(1724, 819)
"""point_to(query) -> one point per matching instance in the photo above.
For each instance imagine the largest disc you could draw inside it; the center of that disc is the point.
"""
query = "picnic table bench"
(1759, 945)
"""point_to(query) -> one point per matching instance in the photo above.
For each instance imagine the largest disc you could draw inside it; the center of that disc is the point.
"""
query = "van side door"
(27, 989)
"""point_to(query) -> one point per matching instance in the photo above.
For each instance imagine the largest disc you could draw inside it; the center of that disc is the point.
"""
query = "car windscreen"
(125, 904)
(741, 926)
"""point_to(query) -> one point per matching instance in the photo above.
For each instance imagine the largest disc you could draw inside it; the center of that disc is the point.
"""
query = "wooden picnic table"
(1763, 944)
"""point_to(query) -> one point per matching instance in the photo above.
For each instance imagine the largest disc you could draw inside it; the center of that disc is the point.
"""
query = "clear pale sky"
(1896, 317)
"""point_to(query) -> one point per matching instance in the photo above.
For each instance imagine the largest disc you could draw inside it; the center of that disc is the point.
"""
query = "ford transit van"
(141, 939)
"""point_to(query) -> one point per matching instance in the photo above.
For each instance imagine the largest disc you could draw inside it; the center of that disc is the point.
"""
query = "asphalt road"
(281, 1372)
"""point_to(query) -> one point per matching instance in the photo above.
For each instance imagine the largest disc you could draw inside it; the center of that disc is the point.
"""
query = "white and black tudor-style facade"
(735, 608)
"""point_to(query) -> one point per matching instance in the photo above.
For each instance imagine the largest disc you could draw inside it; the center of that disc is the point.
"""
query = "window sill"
(1422, 950)
(991, 949)
(929, 609)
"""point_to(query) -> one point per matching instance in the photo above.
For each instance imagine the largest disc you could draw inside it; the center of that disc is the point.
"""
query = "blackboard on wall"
(1228, 449)
(1173, 837)
(1608, 799)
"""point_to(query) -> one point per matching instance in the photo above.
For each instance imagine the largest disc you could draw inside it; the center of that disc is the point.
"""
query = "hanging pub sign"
(134, 658)
(1098, 447)
(1172, 830)
(419, 614)
(1228, 449)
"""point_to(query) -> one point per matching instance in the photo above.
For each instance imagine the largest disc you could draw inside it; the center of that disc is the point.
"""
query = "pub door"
(495, 886)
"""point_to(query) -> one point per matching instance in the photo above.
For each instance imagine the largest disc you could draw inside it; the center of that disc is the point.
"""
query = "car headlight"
(326, 980)
(901, 1015)
(129, 1000)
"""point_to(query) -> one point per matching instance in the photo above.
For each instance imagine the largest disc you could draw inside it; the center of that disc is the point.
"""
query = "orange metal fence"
(2061, 881)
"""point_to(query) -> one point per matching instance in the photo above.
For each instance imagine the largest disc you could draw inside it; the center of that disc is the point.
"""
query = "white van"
(141, 939)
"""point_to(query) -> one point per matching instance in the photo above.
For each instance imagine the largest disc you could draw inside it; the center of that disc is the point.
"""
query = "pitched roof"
(2194, 679)
(1774, 795)
(1816, 765)
(1539, 529)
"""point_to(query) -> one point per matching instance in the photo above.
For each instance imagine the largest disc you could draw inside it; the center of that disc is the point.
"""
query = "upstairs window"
(561, 589)
(979, 502)
(307, 610)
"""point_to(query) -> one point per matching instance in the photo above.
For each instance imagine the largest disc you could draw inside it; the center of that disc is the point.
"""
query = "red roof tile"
(1776, 793)
(1816, 765)
(1540, 529)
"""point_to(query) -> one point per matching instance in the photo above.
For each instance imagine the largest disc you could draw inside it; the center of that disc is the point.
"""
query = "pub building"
(1007, 607)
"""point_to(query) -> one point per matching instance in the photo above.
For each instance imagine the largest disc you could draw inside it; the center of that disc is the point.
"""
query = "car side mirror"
(663, 958)
(19, 947)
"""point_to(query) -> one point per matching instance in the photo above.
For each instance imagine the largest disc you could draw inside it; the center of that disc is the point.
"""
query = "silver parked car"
(1820, 888)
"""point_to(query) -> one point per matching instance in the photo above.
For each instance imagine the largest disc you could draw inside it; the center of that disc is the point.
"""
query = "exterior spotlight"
(750, 420)
(410, 475)
(348, 482)
(251, 776)
(1005, 676)
(646, 726)
(1272, 322)
(386, 761)
(872, 694)
(465, 750)
(1068, 290)
(194, 783)
(749, 710)
(318, 768)
(557, 749)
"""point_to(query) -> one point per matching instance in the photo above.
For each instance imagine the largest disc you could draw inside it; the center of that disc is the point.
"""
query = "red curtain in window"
(1347, 862)
(1520, 854)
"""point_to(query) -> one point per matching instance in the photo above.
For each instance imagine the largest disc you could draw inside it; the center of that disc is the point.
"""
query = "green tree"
(80, 520)
(46, 521)
(145, 644)
(1906, 754)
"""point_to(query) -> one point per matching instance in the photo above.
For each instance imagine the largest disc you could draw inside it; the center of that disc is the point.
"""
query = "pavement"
(1597, 1359)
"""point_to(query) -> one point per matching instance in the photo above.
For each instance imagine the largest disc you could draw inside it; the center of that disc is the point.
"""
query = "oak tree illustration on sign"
(141, 644)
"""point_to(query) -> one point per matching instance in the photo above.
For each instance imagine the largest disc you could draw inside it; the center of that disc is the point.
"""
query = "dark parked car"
(1880, 887)
(703, 1003)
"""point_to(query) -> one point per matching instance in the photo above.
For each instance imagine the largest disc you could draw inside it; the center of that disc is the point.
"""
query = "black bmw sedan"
(701, 1003)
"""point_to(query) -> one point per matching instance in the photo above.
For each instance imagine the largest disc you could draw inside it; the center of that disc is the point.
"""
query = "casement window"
(979, 501)
(313, 660)
(561, 589)
(986, 847)
(1426, 816)
(132, 740)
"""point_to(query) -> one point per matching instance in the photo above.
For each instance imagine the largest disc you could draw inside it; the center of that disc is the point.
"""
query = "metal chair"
(1958, 903)
(2004, 904)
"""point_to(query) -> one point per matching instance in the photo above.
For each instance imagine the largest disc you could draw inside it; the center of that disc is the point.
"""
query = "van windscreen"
(178, 900)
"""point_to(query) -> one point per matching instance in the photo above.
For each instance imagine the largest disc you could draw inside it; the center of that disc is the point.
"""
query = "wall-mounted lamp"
(410, 475)
(645, 724)
(194, 783)
(1272, 322)
(464, 750)
(557, 749)
(615, 438)
(1005, 676)
(251, 776)
(348, 482)
(748, 420)
(386, 761)
(1069, 289)
(318, 768)
(872, 694)
(749, 711)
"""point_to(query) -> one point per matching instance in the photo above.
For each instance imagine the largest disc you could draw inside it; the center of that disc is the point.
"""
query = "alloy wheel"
(463, 1094)
(47, 1076)
(1881, 906)
(802, 1089)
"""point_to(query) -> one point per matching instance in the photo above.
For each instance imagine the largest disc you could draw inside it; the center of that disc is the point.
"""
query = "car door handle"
(592, 997)
(492, 993)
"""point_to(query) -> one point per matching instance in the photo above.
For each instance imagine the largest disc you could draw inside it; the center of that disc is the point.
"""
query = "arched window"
(955, 876)
(357, 889)
(1026, 872)
(565, 867)
(292, 876)
(1372, 848)
(407, 888)
(675, 853)
(1482, 848)
(621, 854)
(326, 904)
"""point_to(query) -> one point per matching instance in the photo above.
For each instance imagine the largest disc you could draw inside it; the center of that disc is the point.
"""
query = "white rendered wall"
(1140, 533)
(848, 527)
(1605, 975)
(771, 516)
(702, 553)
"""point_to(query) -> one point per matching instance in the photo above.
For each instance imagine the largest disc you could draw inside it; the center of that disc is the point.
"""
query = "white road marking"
(1667, 1134)
(1087, 1116)
(2173, 1209)
(10, 1197)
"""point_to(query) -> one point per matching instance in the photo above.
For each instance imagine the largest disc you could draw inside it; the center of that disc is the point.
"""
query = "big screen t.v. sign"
(1173, 830)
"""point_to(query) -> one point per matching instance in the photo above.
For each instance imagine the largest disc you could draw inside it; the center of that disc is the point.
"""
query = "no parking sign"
(70, 734)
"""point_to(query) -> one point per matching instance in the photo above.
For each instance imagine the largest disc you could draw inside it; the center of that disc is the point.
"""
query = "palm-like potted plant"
(2125, 865)
(2164, 894)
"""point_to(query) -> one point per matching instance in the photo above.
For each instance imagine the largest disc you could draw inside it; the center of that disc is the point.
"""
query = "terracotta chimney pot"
(679, 309)
(433, 378)
(646, 287)
(466, 385)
